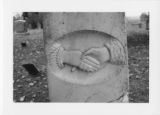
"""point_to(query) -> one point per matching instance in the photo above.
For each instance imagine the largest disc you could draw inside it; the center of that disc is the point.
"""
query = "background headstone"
(20, 26)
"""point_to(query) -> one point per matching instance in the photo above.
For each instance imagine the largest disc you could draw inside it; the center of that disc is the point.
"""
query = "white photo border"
(151, 108)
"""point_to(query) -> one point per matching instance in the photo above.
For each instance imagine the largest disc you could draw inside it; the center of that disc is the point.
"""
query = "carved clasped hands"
(74, 58)
(90, 60)
(100, 54)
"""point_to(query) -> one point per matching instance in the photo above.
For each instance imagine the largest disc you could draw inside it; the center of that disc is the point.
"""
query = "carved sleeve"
(55, 54)
(116, 51)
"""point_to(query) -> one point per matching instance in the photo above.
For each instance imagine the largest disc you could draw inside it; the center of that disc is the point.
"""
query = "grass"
(138, 53)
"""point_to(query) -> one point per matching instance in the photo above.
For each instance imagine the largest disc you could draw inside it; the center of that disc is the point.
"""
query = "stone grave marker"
(20, 26)
(86, 56)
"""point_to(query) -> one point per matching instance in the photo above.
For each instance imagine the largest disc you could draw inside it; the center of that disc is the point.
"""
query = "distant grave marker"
(20, 26)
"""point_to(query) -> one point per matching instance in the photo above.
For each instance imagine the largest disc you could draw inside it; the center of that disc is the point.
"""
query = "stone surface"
(91, 34)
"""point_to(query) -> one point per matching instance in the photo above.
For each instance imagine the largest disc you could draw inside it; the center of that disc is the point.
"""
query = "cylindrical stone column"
(86, 56)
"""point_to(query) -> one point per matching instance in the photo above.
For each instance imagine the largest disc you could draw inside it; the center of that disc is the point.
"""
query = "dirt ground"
(28, 88)
(138, 59)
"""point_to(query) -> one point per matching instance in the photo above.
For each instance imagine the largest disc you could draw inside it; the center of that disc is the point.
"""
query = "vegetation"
(34, 19)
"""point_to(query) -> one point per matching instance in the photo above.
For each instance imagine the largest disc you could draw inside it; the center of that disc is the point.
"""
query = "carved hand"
(101, 54)
(74, 58)
(89, 64)
(60, 56)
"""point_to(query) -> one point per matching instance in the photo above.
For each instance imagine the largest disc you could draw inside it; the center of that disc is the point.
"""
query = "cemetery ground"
(29, 49)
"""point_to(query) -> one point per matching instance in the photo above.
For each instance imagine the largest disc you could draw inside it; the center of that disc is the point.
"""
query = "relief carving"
(60, 56)
(90, 60)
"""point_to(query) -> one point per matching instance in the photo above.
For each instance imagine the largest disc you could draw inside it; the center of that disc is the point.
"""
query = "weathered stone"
(87, 56)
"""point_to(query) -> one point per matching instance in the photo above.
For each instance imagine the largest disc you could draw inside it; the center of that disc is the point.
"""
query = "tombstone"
(20, 26)
(86, 57)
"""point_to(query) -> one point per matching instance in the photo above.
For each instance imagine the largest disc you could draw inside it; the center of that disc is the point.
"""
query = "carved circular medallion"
(86, 57)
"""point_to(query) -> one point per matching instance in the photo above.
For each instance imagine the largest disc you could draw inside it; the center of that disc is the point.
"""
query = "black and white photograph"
(97, 57)
(80, 57)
